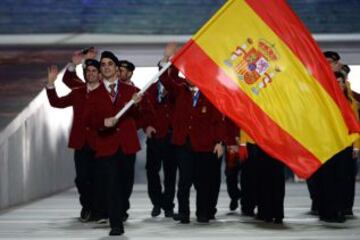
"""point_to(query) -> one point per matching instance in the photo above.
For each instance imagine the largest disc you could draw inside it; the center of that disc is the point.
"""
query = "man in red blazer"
(160, 151)
(198, 131)
(126, 70)
(82, 139)
(116, 141)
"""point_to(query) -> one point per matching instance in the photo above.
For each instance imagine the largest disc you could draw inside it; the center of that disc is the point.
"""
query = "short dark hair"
(110, 55)
(346, 69)
(333, 55)
(92, 62)
(126, 64)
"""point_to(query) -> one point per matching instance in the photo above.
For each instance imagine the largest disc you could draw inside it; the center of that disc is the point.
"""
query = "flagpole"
(153, 79)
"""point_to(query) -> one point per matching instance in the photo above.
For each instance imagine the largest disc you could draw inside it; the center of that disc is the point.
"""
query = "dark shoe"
(212, 217)
(185, 221)
(233, 204)
(278, 221)
(155, 211)
(169, 213)
(176, 217)
(202, 219)
(340, 217)
(85, 215)
(116, 231)
(260, 217)
(125, 217)
(348, 212)
(182, 218)
(333, 219)
(247, 213)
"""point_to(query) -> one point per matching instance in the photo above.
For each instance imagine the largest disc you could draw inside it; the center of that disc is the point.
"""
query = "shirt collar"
(194, 89)
(107, 84)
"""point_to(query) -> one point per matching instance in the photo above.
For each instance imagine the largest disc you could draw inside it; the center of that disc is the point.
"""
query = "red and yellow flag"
(259, 65)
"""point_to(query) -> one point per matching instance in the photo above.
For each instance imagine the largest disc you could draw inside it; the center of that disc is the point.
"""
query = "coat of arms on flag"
(254, 63)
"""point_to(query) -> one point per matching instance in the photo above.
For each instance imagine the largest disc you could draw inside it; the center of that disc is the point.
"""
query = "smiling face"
(125, 74)
(91, 74)
(108, 68)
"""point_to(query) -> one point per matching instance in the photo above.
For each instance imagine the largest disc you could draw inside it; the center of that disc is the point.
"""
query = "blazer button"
(117, 129)
(87, 129)
(189, 127)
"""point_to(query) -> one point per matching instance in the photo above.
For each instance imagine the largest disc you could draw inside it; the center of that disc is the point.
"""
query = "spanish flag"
(258, 64)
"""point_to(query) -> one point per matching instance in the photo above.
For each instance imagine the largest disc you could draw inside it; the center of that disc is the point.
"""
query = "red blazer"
(80, 134)
(124, 135)
(202, 124)
(162, 111)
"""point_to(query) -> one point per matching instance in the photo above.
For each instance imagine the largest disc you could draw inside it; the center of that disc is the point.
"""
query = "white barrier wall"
(34, 158)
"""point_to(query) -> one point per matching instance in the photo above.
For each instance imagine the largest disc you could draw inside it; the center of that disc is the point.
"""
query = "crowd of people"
(188, 138)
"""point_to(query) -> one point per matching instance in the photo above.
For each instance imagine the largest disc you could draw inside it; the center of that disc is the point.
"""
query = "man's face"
(335, 65)
(108, 68)
(125, 74)
(91, 74)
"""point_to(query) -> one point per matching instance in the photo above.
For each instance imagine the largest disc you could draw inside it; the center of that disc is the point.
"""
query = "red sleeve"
(173, 73)
(71, 80)
(171, 84)
(59, 102)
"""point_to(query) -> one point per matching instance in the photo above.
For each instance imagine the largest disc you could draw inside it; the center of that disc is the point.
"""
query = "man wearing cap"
(198, 133)
(116, 140)
(159, 150)
(82, 139)
(333, 59)
(126, 70)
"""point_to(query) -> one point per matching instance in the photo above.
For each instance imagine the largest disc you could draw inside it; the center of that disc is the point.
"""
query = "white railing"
(34, 158)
